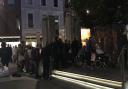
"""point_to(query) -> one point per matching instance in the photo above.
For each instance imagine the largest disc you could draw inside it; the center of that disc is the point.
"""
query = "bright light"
(89, 78)
(56, 21)
(87, 11)
(2, 37)
(33, 44)
(11, 43)
(82, 83)
(85, 34)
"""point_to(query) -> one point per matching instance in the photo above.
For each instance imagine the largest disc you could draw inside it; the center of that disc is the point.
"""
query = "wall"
(8, 19)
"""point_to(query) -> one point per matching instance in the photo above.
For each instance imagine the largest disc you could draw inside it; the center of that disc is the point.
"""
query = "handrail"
(121, 53)
(122, 65)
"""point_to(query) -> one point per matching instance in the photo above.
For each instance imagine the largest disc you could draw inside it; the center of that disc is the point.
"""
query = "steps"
(87, 81)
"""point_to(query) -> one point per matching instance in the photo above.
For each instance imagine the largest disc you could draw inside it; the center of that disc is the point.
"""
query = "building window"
(43, 2)
(30, 20)
(11, 2)
(29, 2)
(55, 3)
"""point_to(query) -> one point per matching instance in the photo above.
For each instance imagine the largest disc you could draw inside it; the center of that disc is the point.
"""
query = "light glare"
(89, 78)
(82, 83)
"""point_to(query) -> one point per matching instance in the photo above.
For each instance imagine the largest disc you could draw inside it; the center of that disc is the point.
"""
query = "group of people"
(87, 54)
(93, 54)
(54, 55)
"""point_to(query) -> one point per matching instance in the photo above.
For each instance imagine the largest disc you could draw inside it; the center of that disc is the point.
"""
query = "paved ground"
(108, 73)
(29, 83)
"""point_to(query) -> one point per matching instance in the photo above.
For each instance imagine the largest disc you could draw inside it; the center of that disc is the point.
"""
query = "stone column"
(23, 37)
(68, 26)
(49, 31)
(61, 27)
(44, 31)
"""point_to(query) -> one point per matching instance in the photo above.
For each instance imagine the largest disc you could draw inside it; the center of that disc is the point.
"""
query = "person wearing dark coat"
(9, 49)
(46, 61)
(75, 49)
(36, 58)
(5, 54)
(57, 52)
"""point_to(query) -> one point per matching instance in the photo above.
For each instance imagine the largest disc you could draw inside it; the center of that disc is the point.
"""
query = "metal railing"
(121, 60)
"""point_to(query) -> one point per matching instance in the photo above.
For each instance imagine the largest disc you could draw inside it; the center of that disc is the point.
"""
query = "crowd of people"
(54, 55)
(92, 54)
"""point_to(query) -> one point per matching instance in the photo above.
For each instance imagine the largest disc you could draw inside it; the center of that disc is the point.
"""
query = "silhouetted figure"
(57, 53)
(35, 55)
(46, 61)
(66, 53)
(74, 48)
(21, 59)
(9, 51)
(5, 54)
(88, 51)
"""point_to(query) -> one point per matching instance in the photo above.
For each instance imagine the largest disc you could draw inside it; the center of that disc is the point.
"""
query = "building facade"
(9, 20)
(39, 18)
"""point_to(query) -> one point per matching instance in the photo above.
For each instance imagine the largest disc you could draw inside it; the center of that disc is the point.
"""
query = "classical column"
(44, 31)
(52, 28)
(49, 31)
(61, 27)
(68, 26)
(38, 38)
(23, 37)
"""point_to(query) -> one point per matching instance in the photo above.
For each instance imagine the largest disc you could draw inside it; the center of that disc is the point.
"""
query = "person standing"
(35, 55)
(74, 49)
(5, 54)
(46, 61)
(9, 53)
